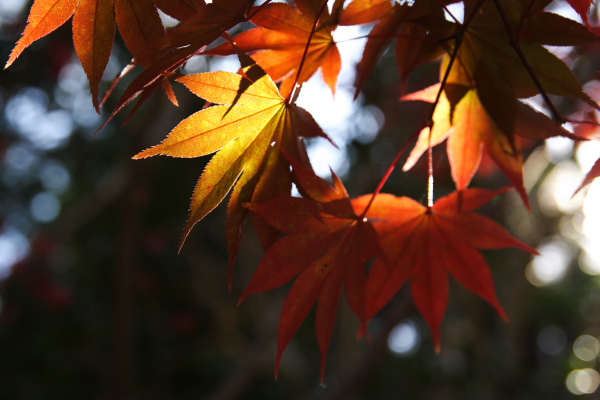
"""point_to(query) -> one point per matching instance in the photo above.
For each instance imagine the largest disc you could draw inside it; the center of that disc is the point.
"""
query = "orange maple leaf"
(248, 132)
(416, 29)
(424, 244)
(326, 247)
(94, 24)
(278, 45)
(204, 23)
(469, 129)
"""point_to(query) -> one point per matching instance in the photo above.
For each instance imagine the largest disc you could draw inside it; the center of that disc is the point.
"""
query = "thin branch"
(389, 171)
(515, 45)
(257, 9)
(458, 37)
(441, 3)
(291, 94)
(429, 172)
(429, 120)
(523, 20)
(397, 35)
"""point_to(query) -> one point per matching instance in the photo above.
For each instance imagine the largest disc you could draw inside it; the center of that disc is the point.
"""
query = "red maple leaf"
(280, 41)
(422, 245)
(593, 174)
(326, 248)
(582, 7)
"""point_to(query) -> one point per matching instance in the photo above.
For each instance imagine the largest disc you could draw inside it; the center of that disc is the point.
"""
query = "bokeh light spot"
(552, 340)
(551, 265)
(55, 177)
(583, 381)
(13, 247)
(404, 339)
(586, 347)
(556, 191)
(44, 207)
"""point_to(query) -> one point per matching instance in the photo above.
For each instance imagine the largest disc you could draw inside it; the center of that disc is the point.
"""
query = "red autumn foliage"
(489, 62)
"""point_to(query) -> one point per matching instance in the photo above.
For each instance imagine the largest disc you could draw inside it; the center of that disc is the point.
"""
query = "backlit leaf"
(278, 45)
(325, 249)
(248, 133)
(423, 245)
(93, 34)
(45, 16)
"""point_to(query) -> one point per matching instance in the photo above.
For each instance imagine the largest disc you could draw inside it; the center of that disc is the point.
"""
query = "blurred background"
(96, 303)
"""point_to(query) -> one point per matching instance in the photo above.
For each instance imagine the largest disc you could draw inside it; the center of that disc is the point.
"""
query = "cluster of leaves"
(488, 62)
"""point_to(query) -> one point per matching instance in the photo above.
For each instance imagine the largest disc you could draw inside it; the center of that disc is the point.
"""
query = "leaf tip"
(278, 363)
(242, 297)
(437, 343)
(501, 311)
(150, 152)
(363, 331)
(13, 56)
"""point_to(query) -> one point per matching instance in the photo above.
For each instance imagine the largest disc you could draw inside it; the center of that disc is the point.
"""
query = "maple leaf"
(416, 29)
(248, 131)
(278, 45)
(326, 248)
(469, 129)
(488, 54)
(196, 31)
(45, 17)
(593, 174)
(582, 7)
(204, 26)
(94, 25)
(422, 245)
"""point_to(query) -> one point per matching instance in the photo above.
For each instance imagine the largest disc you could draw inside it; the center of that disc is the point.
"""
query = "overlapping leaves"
(423, 245)
(248, 131)
(500, 59)
(490, 61)
(280, 40)
(330, 238)
(94, 23)
(327, 247)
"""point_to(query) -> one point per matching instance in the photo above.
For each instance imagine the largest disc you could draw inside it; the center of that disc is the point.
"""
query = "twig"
(292, 94)
(515, 45)
(389, 172)
(445, 7)
(257, 9)
(396, 35)
(458, 37)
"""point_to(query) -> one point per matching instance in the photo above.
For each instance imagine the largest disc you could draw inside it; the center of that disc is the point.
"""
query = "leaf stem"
(429, 172)
(445, 7)
(257, 9)
(292, 94)
(390, 170)
(397, 35)
(458, 37)
(515, 45)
